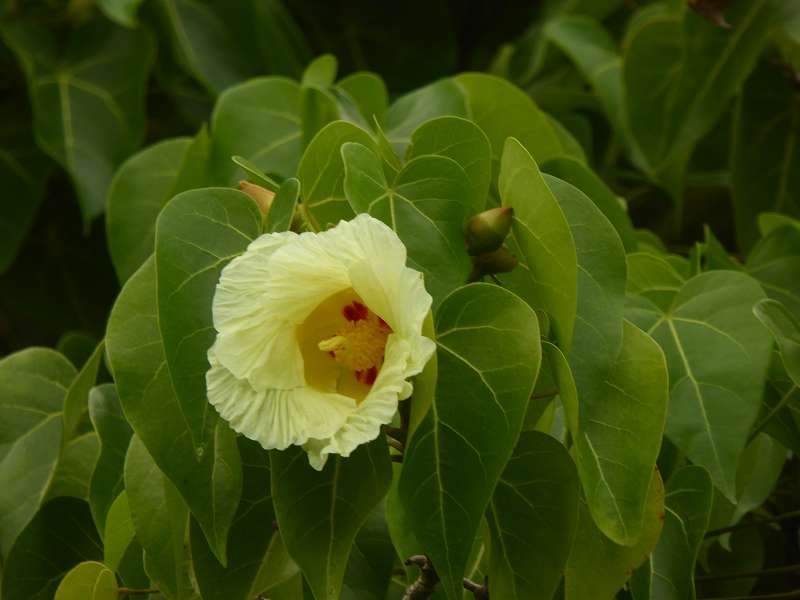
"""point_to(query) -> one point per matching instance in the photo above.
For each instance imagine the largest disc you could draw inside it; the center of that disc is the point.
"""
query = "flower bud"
(486, 231)
(262, 196)
(489, 263)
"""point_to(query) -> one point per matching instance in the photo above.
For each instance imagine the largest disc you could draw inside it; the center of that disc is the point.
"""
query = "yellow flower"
(317, 334)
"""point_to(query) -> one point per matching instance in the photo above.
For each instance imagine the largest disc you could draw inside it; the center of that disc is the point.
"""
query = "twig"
(756, 523)
(396, 444)
(425, 584)
(481, 592)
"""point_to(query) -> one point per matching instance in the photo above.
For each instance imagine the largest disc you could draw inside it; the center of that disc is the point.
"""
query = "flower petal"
(275, 418)
(380, 276)
(249, 335)
(378, 408)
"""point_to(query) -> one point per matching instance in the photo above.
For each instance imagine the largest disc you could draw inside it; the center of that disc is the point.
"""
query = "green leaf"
(209, 480)
(760, 467)
(669, 574)
(443, 97)
(23, 175)
(614, 365)
(597, 567)
(122, 12)
(780, 409)
(160, 518)
(321, 173)
(140, 189)
(717, 353)
(425, 204)
(254, 173)
(595, 54)
(597, 335)
(653, 277)
(465, 143)
(88, 581)
(679, 73)
(785, 328)
(501, 110)
(745, 554)
(88, 111)
(74, 469)
(114, 434)
(318, 108)
(60, 536)
(765, 169)
(533, 518)
(321, 71)
(488, 359)
(543, 237)
(198, 232)
(283, 206)
(583, 178)
(367, 92)
(770, 221)
(33, 384)
(320, 513)
(249, 538)
(372, 559)
(775, 262)
(118, 530)
(259, 120)
(617, 432)
(203, 44)
(76, 402)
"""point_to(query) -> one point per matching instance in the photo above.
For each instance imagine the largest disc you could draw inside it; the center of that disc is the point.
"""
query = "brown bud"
(262, 196)
(486, 231)
(489, 263)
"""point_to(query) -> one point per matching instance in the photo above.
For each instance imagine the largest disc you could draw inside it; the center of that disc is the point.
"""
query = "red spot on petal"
(355, 311)
(384, 325)
(367, 376)
(331, 353)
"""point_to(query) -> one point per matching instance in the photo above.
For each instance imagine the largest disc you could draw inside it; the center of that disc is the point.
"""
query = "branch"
(425, 584)
(481, 592)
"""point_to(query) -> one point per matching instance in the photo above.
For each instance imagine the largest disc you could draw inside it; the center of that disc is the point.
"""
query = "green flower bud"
(486, 231)
(489, 263)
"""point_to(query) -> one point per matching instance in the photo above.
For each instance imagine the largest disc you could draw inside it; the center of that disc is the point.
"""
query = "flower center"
(360, 343)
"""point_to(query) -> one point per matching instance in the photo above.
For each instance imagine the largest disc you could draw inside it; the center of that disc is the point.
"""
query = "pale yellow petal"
(250, 336)
(275, 418)
(378, 408)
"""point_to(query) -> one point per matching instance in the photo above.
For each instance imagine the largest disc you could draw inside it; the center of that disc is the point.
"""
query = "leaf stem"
(722, 530)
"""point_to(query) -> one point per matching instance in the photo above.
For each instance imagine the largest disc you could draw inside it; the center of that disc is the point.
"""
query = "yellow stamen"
(358, 345)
